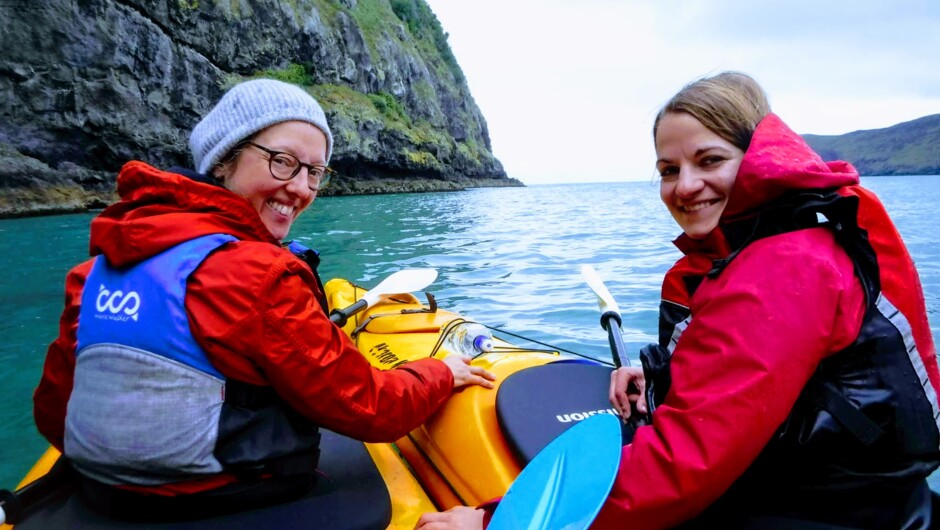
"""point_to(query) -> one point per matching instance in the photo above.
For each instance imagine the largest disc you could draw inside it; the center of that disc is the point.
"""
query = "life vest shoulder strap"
(312, 258)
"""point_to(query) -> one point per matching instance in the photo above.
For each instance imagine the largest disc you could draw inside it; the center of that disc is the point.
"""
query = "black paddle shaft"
(614, 335)
(340, 316)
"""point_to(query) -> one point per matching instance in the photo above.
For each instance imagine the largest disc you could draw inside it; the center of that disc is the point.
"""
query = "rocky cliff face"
(86, 85)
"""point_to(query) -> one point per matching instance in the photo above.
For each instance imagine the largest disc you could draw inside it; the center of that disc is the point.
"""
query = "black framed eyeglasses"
(285, 166)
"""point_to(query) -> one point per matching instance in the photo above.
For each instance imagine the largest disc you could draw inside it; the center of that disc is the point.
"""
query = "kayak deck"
(350, 495)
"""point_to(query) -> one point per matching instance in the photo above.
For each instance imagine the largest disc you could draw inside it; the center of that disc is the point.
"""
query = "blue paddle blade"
(567, 482)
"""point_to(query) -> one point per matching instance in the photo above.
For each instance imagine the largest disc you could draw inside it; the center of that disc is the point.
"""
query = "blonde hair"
(729, 104)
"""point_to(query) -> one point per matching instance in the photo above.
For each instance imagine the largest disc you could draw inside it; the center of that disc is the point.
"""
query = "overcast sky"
(569, 88)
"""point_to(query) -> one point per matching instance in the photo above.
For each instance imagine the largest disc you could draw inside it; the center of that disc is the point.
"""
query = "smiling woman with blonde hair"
(795, 381)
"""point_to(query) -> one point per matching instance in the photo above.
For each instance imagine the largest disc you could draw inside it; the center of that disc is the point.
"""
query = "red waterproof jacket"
(757, 334)
(252, 307)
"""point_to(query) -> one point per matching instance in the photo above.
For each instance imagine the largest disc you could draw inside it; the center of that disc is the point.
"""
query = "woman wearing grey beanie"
(195, 355)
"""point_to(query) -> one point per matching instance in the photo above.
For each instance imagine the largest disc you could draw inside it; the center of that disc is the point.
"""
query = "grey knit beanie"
(247, 108)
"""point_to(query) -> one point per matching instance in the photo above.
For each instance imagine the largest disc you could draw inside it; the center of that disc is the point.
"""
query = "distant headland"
(909, 148)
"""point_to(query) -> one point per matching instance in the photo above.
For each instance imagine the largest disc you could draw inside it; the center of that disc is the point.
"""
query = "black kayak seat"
(535, 405)
(350, 495)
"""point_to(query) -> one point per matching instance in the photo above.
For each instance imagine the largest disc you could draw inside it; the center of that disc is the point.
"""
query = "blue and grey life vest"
(147, 406)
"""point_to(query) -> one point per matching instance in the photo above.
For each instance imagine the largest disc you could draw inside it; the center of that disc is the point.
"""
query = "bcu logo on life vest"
(118, 305)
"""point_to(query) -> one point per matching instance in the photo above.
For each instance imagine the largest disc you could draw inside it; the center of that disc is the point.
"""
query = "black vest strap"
(254, 398)
(853, 420)
(245, 395)
(312, 259)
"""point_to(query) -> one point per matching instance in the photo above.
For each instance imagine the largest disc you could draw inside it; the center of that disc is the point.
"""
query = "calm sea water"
(507, 257)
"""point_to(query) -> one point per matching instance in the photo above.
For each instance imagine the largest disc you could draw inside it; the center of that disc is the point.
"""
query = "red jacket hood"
(777, 161)
(159, 210)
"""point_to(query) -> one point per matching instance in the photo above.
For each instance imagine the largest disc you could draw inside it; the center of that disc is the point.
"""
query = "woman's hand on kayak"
(457, 518)
(466, 374)
(627, 386)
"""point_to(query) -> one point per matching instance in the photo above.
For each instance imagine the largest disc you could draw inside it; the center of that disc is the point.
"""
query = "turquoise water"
(508, 257)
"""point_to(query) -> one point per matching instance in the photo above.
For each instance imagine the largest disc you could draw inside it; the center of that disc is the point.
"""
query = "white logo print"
(116, 303)
(578, 416)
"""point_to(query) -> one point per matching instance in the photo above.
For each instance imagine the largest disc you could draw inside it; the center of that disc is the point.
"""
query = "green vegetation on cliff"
(427, 30)
(380, 118)
(412, 127)
(107, 81)
(364, 119)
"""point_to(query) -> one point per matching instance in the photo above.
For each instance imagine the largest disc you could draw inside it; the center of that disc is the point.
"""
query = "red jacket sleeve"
(55, 386)
(757, 334)
(259, 321)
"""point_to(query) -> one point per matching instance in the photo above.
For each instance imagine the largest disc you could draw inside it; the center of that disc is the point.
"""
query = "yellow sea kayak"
(470, 451)
(475, 446)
